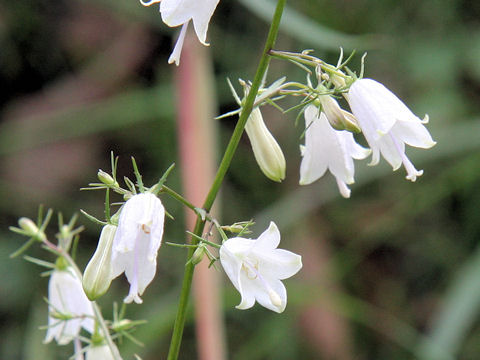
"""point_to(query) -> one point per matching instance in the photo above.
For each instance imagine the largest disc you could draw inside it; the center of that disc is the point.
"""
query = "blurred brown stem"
(197, 140)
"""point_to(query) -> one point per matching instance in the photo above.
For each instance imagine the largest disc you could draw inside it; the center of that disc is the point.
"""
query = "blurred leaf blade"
(311, 32)
(460, 310)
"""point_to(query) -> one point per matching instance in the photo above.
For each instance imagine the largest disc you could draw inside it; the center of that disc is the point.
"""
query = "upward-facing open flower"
(255, 268)
(180, 12)
(136, 243)
(327, 148)
(388, 124)
(69, 309)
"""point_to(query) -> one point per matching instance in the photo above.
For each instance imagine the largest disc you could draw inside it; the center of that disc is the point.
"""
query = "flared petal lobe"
(136, 243)
(255, 268)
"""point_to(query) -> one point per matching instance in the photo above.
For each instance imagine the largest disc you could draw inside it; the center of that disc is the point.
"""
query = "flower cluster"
(386, 123)
(255, 267)
(329, 142)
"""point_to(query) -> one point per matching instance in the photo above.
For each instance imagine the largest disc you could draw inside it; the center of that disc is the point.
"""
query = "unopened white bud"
(28, 225)
(31, 229)
(267, 152)
(98, 273)
(106, 178)
(338, 118)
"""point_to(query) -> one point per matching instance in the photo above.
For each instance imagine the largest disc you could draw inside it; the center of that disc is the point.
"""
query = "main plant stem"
(222, 170)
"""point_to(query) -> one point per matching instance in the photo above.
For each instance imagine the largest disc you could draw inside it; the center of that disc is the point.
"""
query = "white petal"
(343, 188)
(66, 295)
(392, 150)
(314, 161)
(373, 105)
(136, 243)
(325, 148)
(413, 134)
(254, 288)
(232, 264)
(278, 263)
(268, 240)
(177, 12)
(101, 352)
(177, 50)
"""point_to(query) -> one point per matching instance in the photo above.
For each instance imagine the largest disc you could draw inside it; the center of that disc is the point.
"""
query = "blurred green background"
(392, 273)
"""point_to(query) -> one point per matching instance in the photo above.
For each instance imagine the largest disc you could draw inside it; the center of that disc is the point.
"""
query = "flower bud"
(267, 152)
(198, 254)
(31, 229)
(337, 80)
(98, 273)
(28, 225)
(337, 117)
(106, 178)
(238, 227)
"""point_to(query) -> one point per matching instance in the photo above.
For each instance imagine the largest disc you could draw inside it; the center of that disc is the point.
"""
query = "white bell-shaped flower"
(327, 148)
(180, 12)
(388, 124)
(255, 267)
(136, 243)
(69, 309)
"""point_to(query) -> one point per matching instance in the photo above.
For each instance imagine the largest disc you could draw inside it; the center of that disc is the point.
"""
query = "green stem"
(222, 170)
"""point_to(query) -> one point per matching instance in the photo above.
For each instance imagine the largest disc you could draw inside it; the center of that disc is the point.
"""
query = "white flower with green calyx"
(180, 12)
(256, 267)
(388, 124)
(328, 149)
(69, 309)
(98, 273)
(136, 242)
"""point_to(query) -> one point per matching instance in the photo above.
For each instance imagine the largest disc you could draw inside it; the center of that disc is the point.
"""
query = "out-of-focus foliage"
(392, 273)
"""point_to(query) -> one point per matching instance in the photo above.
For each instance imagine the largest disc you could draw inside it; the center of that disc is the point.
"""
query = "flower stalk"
(222, 170)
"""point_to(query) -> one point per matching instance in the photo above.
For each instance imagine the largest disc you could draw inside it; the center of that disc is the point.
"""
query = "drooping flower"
(265, 148)
(388, 124)
(180, 12)
(255, 267)
(69, 309)
(98, 273)
(136, 243)
(327, 148)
